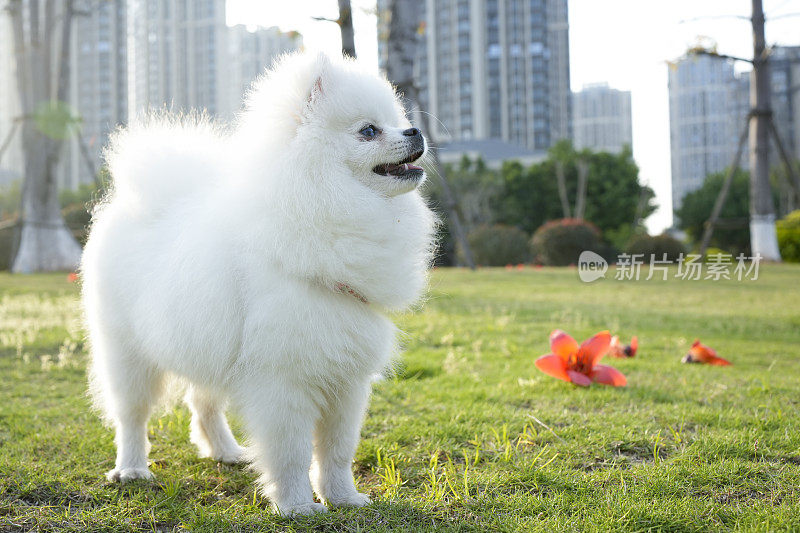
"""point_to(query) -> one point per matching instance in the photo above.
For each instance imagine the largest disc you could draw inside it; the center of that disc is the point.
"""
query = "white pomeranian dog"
(259, 265)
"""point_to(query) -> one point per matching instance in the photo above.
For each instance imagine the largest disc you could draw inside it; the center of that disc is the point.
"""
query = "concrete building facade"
(602, 118)
(98, 90)
(703, 136)
(494, 69)
(250, 53)
(709, 103)
(177, 55)
(11, 158)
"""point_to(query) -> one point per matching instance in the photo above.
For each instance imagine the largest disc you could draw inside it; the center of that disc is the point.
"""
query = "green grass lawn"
(468, 435)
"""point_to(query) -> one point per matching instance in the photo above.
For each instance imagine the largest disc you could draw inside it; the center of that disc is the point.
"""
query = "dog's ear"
(316, 92)
(318, 87)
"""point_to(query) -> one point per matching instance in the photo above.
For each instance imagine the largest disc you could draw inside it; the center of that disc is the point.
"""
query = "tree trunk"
(46, 244)
(583, 176)
(346, 26)
(763, 238)
(562, 189)
(402, 44)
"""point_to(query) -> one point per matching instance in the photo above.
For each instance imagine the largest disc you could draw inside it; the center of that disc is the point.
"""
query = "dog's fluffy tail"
(163, 157)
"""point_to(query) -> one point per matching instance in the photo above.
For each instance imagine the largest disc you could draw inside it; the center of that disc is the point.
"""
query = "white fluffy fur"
(216, 258)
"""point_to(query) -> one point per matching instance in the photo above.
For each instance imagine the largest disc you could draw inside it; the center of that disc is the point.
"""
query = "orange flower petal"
(718, 361)
(634, 345)
(593, 349)
(553, 365)
(702, 350)
(615, 349)
(705, 354)
(579, 379)
(562, 344)
(608, 375)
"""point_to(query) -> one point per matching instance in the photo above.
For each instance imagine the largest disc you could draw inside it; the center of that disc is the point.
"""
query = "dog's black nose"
(411, 132)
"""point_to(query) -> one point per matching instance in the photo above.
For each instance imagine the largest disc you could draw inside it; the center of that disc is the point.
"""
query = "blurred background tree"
(788, 229)
(526, 198)
(42, 30)
(732, 231)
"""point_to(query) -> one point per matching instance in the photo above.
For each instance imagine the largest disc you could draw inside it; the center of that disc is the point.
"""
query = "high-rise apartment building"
(250, 53)
(96, 95)
(602, 118)
(98, 90)
(703, 135)
(494, 69)
(560, 97)
(11, 158)
(128, 57)
(709, 103)
(177, 55)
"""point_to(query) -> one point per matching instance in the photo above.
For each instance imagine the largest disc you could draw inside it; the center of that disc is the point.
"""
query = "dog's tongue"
(401, 169)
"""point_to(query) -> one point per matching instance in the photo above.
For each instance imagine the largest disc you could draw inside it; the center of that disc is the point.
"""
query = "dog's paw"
(230, 456)
(302, 509)
(356, 499)
(123, 475)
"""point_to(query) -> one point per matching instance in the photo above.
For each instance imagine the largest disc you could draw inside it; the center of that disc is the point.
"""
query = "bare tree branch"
(21, 51)
(346, 25)
(708, 231)
(33, 14)
(583, 175)
(706, 52)
(8, 139)
(792, 176)
(562, 188)
(345, 22)
(47, 52)
(325, 19)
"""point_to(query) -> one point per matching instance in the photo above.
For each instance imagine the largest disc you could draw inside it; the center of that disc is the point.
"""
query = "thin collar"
(347, 289)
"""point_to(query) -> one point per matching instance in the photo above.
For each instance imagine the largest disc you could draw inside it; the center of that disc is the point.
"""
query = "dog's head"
(349, 123)
(362, 119)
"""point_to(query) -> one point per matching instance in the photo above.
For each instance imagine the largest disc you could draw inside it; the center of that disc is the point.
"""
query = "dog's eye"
(369, 132)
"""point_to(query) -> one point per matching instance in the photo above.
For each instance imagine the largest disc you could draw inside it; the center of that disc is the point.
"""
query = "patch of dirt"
(49, 495)
(637, 451)
(728, 496)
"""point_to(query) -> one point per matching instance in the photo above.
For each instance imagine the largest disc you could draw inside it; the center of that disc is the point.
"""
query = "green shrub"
(560, 242)
(788, 229)
(75, 210)
(7, 243)
(655, 246)
(692, 216)
(498, 245)
(712, 254)
(621, 236)
(77, 218)
(9, 199)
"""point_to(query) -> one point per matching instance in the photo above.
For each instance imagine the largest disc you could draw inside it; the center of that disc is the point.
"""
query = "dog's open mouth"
(403, 169)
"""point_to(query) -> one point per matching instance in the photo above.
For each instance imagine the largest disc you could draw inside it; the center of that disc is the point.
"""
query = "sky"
(625, 43)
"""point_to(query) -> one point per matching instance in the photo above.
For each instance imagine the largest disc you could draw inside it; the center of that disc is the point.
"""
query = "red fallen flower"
(618, 350)
(700, 353)
(72, 277)
(578, 364)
